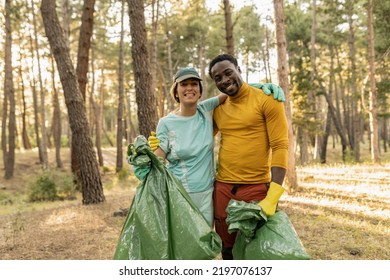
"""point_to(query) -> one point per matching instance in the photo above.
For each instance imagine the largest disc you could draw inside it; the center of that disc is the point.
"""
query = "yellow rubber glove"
(154, 142)
(269, 203)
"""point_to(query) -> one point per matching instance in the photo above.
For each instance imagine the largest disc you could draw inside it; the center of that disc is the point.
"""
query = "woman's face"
(227, 77)
(188, 91)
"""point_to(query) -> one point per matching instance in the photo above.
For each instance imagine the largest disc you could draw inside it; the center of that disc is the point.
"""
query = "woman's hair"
(173, 90)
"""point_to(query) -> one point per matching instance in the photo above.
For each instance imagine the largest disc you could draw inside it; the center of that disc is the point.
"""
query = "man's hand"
(270, 88)
(154, 142)
(269, 203)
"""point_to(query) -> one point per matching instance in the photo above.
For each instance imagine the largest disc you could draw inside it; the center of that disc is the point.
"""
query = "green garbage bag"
(261, 237)
(244, 217)
(163, 223)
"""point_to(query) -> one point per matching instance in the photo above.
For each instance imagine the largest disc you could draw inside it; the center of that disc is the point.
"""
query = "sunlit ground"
(342, 211)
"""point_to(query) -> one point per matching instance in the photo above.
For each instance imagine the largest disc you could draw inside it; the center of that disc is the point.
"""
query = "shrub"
(43, 189)
(123, 174)
(52, 186)
(66, 187)
(6, 199)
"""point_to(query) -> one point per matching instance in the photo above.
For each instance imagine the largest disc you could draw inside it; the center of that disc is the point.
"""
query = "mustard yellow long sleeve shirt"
(254, 137)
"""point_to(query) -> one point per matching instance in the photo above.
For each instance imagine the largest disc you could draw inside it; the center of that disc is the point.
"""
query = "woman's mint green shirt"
(189, 146)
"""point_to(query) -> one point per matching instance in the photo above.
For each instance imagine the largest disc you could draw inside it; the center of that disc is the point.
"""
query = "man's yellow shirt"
(254, 137)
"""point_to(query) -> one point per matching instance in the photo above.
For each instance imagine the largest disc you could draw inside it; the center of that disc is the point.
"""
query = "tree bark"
(85, 36)
(146, 101)
(57, 129)
(336, 121)
(65, 20)
(86, 29)
(96, 111)
(171, 101)
(373, 92)
(228, 27)
(89, 176)
(283, 73)
(119, 128)
(153, 56)
(45, 160)
(324, 140)
(312, 96)
(9, 95)
(356, 132)
(24, 138)
(267, 46)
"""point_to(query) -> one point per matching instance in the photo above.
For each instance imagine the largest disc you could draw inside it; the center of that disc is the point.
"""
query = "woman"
(186, 139)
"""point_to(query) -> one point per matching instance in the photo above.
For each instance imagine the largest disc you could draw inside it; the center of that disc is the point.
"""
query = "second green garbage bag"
(163, 223)
(260, 237)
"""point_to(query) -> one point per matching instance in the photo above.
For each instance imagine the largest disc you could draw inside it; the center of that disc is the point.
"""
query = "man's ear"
(239, 69)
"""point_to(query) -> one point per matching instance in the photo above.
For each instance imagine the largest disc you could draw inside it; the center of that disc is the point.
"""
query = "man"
(253, 151)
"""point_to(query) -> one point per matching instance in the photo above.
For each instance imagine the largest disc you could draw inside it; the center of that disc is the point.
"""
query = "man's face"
(227, 77)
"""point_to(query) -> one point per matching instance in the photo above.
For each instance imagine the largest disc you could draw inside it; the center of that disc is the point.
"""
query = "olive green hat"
(186, 73)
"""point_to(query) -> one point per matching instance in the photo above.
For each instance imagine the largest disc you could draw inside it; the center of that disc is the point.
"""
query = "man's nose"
(225, 79)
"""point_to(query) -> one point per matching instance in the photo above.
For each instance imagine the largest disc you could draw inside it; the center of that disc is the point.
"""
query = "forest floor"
(340, 212)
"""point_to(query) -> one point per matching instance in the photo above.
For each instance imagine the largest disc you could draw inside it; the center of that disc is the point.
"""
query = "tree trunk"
(336, 121)
(86, 29)
(304, 150)
(89, 176)
(119, 135)
(267, 55)
(56, 118)
(203, 66)
(131, 133)
(153, 55)
(354, 100)
(146, 101)
(171, 101)
(34, 95)
(96, 111)
(373, 92)
(24, 138)
(228, 27)
(385, 134)
(324, 140)
(4, 146)
(9, 94)
(346, 109)
(45, 160)
(312, 96)
(283, 73)
(65, 20)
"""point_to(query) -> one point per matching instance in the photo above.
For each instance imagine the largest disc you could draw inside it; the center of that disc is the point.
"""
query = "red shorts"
(223, 193)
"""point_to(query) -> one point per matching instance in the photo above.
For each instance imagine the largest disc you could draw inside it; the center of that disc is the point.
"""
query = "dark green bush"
(53, 185)
(43, 189)
(66, 187)
(123, 174)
